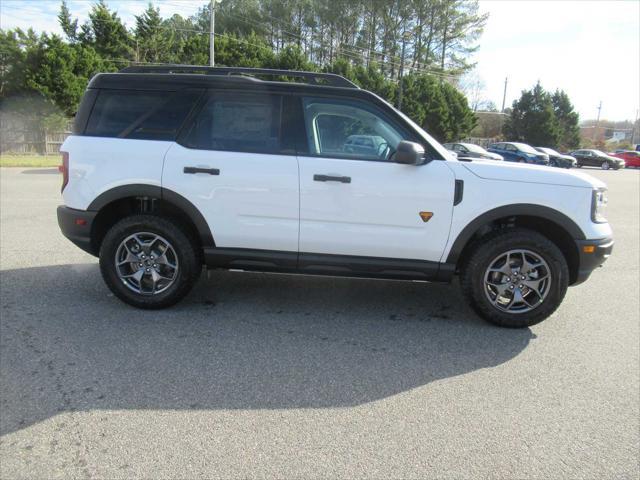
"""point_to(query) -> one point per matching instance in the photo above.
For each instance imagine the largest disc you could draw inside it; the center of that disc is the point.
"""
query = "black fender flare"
(155, 191)
(519, 209)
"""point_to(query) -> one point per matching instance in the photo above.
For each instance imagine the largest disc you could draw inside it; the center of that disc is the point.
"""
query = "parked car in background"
(470, 150)
(557, 159)
(631, 158)
(519, 152)
(365, 144)
(596, 158)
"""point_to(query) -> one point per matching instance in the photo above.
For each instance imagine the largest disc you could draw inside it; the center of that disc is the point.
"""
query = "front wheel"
(149, 262)
(515, 278)
(605, 166)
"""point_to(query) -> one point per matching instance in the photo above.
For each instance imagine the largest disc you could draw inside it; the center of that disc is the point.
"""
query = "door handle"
(331, 178)
(210, 171)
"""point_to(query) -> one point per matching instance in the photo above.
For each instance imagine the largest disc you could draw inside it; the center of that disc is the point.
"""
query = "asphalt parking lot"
(258, 375)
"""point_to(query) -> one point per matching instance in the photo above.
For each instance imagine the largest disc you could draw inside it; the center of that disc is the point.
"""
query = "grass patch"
(30, 160)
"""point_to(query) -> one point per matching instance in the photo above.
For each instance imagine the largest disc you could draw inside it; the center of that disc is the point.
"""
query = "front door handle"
(331, 178)
(210, 171)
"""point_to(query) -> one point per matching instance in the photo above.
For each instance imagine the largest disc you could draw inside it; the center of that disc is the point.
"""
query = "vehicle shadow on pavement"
(239, 341)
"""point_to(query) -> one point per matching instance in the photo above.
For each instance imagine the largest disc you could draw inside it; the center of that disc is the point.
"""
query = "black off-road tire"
(492, 245)
(186, 249)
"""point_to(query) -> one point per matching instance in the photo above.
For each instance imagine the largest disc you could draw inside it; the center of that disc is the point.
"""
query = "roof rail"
(313, 78)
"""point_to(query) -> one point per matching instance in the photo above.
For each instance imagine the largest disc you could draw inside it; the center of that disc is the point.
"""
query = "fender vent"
(458, 192)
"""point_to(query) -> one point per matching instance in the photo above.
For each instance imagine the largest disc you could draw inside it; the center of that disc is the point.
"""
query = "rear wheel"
(148, 262)
(515, 278)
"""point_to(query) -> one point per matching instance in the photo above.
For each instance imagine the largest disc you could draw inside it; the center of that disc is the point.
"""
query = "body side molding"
(327, 264)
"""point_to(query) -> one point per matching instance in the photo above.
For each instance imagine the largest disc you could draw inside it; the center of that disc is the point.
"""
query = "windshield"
(428, 138)
(523, 147)
(474, 148)
(599, 153)
(550, 151)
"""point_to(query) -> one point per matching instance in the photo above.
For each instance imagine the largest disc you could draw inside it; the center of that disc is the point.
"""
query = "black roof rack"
(313, 78)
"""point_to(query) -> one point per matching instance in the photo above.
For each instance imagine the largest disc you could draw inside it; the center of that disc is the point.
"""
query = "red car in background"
(631, 158)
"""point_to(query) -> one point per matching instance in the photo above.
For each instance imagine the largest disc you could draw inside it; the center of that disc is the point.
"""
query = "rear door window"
(238, 122)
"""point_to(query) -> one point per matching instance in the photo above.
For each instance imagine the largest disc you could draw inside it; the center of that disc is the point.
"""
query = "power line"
(348, 52)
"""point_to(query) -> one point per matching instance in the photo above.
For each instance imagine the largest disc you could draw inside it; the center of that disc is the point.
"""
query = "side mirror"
(409, 153)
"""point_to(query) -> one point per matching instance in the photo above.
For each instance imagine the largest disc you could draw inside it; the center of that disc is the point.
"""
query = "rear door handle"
(210, 171)
(331, 178)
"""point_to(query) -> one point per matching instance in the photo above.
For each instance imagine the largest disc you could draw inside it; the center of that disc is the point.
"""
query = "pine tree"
(568, 121)
(533, 120)
(69, 26)
(152, 39)
(110, 37)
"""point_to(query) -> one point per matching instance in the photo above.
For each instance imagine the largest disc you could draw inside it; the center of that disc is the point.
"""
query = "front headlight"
(598, 205)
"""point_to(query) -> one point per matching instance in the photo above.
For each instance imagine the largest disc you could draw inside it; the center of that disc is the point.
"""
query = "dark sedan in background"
(471, 150)
(596, 158)
(557, 159)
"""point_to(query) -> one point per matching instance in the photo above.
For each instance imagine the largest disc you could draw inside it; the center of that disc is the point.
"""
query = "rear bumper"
(588, 262)
(76, 226)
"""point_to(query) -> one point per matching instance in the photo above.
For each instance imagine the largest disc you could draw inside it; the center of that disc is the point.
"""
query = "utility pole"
(405, 37)
(595, 130)
(504, 95)
(212, 21)
(633, 130)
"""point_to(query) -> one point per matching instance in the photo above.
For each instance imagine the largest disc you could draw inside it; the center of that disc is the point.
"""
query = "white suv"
(170, 168)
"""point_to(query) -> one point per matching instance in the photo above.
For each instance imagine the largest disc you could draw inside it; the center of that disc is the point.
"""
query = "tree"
(533, 120)
(568, 121)
(151, 38)
(108, 35)
(460, 119)
(69, 26)
(250, 51)
(60, 72)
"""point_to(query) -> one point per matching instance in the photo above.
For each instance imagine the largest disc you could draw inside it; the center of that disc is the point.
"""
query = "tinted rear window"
(140, 114)
(238, 122)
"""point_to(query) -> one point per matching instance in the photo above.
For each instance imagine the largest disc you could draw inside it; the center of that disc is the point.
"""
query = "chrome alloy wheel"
(146, 263)
(517, 281)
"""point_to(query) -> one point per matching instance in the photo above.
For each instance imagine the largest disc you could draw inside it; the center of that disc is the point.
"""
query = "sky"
(590, 49)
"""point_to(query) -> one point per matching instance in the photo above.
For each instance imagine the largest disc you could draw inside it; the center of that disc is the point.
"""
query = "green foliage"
(61, 71)
(291, 58)
(568, 121)
(250, 51)
(152, 40)
(107, 34)
(533, 119)
(359, 39)
(437, 107)
(67, 23)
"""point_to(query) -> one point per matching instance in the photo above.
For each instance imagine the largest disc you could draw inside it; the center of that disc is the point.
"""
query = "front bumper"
(76, 226)
(591, 254)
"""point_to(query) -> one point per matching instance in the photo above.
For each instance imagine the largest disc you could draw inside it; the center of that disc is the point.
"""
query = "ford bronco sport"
(173, 167)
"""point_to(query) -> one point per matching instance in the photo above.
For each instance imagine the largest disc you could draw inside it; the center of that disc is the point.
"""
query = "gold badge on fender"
(426, 216)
